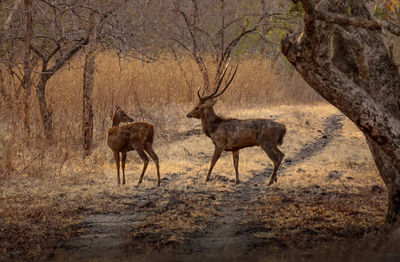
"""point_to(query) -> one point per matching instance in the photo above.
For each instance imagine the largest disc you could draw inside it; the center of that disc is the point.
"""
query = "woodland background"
(64, 65)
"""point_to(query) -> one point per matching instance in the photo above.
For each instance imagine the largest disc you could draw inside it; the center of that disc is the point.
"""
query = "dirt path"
(227, 237)
(332, 127)
(225, 232)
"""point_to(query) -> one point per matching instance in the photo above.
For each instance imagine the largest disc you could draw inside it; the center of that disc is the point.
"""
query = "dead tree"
(342, 55)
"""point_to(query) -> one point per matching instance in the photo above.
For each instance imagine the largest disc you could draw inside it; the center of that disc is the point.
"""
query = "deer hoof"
(158, 183)
(237, 182)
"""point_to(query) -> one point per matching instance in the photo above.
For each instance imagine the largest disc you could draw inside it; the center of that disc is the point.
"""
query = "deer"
(230, 134)
(132, 136)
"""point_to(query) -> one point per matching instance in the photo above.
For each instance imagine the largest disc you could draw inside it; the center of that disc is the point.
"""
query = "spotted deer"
(229, 134)
(133, 136)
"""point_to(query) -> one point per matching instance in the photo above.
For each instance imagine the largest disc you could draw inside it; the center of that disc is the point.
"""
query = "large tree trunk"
(88, 79)
(349, 65)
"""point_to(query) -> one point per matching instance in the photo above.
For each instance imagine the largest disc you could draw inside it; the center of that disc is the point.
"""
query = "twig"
(187, 151)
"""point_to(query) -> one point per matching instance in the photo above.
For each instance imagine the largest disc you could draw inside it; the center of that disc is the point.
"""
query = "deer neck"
(115, 122)
(210, 122)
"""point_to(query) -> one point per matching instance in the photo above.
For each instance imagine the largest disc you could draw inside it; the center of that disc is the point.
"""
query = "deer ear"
(210, 103)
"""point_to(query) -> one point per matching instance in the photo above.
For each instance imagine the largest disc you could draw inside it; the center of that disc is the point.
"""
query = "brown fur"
(134, 136)
(234, 134)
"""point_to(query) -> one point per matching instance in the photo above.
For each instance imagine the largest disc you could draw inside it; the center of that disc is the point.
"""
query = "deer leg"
(145, 159)
(153, 156)
(123, 160)
(276, 156)
(116, 157)
(217, 154)
(235, 155)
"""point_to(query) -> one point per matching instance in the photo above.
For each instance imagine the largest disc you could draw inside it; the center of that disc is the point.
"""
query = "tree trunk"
(391, 177)
(352, 68)
(45, 112)
(26, 79)
(87, 116)
(263, 27)
(88, 78)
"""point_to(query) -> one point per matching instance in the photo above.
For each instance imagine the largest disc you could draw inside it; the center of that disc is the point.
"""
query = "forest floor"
(328, 202)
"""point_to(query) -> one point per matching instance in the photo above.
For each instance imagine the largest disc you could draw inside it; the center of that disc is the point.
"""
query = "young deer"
(134, 136)
(234, 134)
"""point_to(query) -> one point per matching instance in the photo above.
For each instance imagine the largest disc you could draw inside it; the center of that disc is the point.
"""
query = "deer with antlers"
(234, 134)
(133, 136)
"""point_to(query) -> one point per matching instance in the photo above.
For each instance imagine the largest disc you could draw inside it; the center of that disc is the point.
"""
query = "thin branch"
(68, 56)
(37, 52)
(10, 16)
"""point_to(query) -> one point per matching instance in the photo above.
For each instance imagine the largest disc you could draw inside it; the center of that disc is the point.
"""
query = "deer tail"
(280, 140)
(151, 135)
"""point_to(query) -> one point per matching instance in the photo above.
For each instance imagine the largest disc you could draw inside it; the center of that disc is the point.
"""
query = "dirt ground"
(328, 203)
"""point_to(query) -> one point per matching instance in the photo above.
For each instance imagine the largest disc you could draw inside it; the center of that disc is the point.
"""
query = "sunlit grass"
(46, 187)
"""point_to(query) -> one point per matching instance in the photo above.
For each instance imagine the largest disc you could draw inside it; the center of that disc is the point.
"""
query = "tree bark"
(26, 79)
(88, 79)
(263, 29)
(45, 112)
(346, 61)
(45, 74)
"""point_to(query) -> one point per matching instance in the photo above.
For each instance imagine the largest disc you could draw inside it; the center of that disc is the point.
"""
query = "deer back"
(129, 136)
(234, 134)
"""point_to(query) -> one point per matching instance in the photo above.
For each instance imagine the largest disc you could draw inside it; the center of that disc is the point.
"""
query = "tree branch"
(309, 16)
(343, 19)
(68, 56)
(37, 52)
(371, 117)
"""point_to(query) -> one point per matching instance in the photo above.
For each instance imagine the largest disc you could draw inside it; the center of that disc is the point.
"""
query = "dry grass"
(46, 188)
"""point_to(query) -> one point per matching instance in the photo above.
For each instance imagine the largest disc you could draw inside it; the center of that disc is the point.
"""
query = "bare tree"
(54, 32)
(88, 79)
(199, 41)
(342, 55)
(26, 80)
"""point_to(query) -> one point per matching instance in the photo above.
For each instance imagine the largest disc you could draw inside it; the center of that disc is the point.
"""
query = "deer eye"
(197, 108)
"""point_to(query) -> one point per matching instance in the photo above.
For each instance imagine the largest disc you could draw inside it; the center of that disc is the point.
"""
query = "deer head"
(207, 102)
(120, 116)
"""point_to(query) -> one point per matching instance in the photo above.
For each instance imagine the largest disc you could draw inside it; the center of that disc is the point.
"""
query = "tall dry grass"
(161, 92)
(46, 187)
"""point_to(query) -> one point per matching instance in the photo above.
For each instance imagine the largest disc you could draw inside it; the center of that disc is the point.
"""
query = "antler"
(215, 94)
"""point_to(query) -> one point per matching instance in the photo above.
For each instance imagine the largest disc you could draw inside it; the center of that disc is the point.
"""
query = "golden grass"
(51, 205)
(156, 92)
(46, 188)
